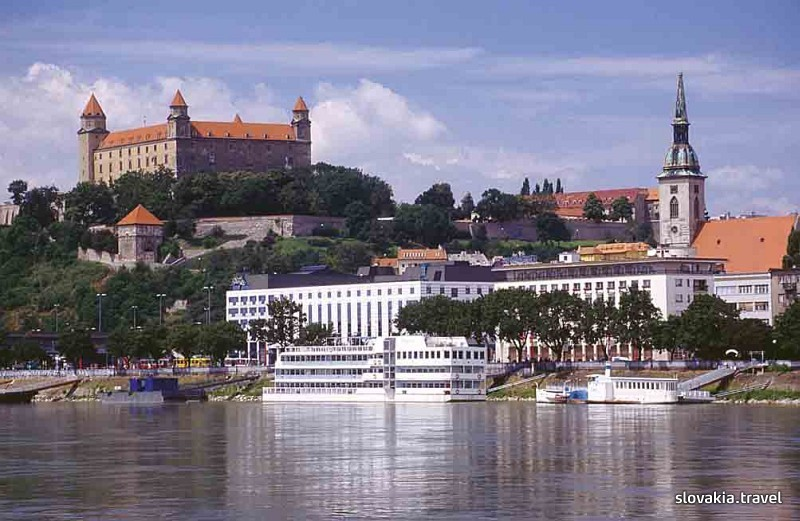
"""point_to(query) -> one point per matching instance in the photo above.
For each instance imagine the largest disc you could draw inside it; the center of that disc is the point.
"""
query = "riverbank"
(90, 389)
(782, 387)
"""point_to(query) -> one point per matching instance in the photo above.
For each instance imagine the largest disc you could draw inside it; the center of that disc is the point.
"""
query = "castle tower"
(681, 184)
(139, 234)
(300, 121)
(178, 123)
(90, 135)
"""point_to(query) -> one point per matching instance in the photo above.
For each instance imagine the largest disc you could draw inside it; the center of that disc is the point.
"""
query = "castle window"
(696, 207)
(101, 169)
(673, 208)
(120, 166)
(120, 152)
(146, 149)
(139, 163)
(110, 167)
(138, 150)
(165, 159)
(697, 189)
(130, 164)
(673, 189)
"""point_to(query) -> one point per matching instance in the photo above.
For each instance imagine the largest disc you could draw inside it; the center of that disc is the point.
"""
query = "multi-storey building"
(184, 146)
(672, 284)
(749, 292)
(363, 305)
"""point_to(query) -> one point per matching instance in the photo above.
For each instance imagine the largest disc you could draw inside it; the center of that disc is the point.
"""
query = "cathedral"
(186, 146)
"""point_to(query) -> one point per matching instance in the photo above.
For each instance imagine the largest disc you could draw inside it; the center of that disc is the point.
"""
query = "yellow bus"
(196, 361)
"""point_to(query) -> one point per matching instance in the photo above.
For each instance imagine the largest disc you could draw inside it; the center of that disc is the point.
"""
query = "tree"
(152, 190)
(358, 220)
(511, 316)
(121, 343)
(467, 206)
(636, 320)
(669, 336)
(76, 347)
(219, 339)
(547, 187)
(787, 333)
(526, 187)
(750, 335)
(550, 228)
(426, 224)
(439, 195)
(41, 204)
(28, 352)
(348, 256)
(708, 323)
(558, 323)
(559, 186)
(792, 258)
(537, 189)
(598, 324)
(315, 334)
(90, 203)
(621, 209)
(184, 339)
(498, 206)
(593, 208)
(286, 319)
(17, 189)
(438, 316)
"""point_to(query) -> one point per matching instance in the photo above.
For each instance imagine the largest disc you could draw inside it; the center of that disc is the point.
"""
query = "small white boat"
(560, 394)
(604, 388)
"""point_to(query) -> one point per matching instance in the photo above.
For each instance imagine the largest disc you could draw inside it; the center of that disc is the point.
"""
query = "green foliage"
(498, 206)
(439, 195)
(598, 324)
(219, 339)
(348, 256)
(792, 258)
(526, 187)
(593, 208)
(152, 190)
(467, 206)
(359, 220)
(76, 347)
(27, 354)
(438, 315)
(315, 334)
(708, 324)
(637, 319)
(621, 209)
(787, 333)
(558, 322)
(184, 339)
(550, 227)
(286, 319)
(669, 335)
(424, 224)
(90, 203)
(17, 189)
(509, 315)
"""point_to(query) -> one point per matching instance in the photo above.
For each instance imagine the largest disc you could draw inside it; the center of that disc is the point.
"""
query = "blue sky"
(478, 94)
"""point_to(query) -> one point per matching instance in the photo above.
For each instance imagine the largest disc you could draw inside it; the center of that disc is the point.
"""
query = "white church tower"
(681, 186)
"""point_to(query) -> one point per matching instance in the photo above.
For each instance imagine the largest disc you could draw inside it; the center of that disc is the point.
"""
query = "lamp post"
(208, 290)
(55, 312)
(100, 311)
(160, 297)
(134, 308)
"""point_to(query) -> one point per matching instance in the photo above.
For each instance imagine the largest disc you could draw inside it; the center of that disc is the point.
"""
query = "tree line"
(561, 322)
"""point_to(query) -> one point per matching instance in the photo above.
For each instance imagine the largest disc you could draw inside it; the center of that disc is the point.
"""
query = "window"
(761, 289)
(762, 306)
(565, 287)
(101, 168)
(673, 189)
(453, 292)
(576, 286)
(678, 298)
(623, 284)
(745, 290)
(427, 290)
(678, 283)
(587, 286)
(673, 208)
(611, 285)
(697, 189)
(480, 290)
(441, 290)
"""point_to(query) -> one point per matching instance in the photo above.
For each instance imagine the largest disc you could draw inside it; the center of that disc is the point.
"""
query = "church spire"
(680, 103)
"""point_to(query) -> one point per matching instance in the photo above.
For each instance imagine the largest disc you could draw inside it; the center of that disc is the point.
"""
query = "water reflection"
(494, 460)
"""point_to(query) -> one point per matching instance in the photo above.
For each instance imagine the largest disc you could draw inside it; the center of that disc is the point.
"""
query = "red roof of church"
(300, 105)
(140, 215)
(92, 107)
(177, 100)
(750, 245)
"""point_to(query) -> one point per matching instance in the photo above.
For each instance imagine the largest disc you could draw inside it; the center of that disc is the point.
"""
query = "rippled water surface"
(470, 461)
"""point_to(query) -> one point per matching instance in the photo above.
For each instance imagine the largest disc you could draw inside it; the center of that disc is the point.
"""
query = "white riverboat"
(604, 388)
(410, 368)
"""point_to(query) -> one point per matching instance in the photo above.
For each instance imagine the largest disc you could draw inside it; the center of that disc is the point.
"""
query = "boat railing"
(312, 390)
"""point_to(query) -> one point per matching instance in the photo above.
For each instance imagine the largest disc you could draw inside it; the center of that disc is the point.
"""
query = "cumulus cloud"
(749, 188)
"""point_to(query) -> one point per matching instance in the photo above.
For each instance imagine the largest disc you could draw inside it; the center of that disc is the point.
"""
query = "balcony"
(700, 286)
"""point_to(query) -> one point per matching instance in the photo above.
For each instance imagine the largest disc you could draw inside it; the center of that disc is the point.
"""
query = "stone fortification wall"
(257, 227)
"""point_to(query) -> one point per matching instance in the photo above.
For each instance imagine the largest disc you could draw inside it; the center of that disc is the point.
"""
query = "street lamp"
(160, 297)
(134, 308)
(208, 290)
(100, 311)
(55, 312)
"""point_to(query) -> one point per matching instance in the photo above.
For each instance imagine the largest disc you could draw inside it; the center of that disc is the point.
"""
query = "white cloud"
(749, 188)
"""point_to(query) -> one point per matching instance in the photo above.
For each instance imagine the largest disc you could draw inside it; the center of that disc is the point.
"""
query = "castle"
(186, 146)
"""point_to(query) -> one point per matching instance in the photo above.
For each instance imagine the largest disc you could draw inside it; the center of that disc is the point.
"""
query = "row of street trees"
(561, 322)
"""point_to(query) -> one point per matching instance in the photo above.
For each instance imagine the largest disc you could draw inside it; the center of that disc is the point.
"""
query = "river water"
(501, 460)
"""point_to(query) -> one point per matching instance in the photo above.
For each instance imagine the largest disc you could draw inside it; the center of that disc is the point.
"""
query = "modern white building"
(751, 293)
(363, 305)
(672, 283)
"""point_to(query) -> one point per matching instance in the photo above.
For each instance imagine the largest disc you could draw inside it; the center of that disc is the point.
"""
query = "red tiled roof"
(578, 199)
(300, 105)
(177, 100)
(752, 245)
(92, 107)
(140, 215)
(203, 129)
(134, 136)
(652, 194)
(422, 254)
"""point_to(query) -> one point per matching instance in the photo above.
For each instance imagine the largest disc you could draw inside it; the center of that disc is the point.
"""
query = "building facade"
(364, 305)
(751, 293)
(186, 146)
(783, 289)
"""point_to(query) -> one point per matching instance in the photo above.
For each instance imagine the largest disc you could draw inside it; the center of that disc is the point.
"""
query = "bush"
(324, 231)
(210, 242)
(320, 242)
(217, 232)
